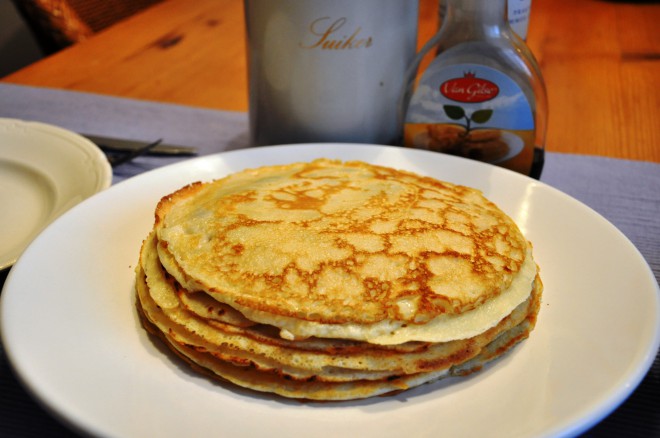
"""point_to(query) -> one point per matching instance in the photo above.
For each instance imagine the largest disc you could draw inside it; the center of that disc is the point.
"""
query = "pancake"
(348, 250)
(336, 383)
(335, 281)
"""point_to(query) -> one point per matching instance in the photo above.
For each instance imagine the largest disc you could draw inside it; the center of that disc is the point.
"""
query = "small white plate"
(44, 171)
(70, 328)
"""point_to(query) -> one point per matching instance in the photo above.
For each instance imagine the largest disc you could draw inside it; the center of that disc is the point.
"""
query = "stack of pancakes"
(335, 280)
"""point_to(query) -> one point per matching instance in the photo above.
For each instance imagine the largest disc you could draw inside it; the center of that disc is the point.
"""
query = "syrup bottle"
(481, 95)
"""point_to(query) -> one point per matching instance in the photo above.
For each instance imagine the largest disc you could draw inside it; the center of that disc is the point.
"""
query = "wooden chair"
(57, 24)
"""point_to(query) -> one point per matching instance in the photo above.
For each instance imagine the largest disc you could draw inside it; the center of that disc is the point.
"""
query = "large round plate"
(71, 331)
(44, 171)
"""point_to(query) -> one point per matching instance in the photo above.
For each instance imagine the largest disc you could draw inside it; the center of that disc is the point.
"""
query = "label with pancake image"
(472, 111)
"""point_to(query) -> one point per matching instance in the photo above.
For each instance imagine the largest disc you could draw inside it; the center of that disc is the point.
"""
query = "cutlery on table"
(120, 151)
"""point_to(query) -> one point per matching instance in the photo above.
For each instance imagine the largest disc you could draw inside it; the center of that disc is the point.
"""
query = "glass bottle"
(481, 95)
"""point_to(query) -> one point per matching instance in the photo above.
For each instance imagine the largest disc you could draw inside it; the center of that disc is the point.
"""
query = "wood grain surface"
(600, 60)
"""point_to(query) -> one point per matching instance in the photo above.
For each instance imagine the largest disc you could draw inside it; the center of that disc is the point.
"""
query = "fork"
(117, 159)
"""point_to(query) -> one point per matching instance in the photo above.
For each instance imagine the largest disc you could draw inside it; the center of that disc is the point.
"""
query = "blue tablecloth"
(625, 192)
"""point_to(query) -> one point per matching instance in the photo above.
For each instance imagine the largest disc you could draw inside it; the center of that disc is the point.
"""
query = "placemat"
(625, 192)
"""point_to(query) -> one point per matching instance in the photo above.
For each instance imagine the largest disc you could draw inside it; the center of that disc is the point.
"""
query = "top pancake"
(346, 245)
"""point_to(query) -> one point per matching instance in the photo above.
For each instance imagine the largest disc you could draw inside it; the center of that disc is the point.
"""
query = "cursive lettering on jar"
(325, 36)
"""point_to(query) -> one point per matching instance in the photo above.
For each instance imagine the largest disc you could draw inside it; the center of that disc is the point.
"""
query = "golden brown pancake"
(341, 249)
(330, 280)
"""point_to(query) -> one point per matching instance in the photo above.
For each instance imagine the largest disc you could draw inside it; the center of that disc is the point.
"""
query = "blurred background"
(18, 47)
(32, 29)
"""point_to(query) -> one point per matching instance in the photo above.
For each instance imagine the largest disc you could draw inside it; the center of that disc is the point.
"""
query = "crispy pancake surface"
(325, 244)
(333, 281)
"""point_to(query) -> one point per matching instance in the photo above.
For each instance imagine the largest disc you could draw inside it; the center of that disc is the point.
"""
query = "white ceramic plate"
(71, 331)
(44, 171)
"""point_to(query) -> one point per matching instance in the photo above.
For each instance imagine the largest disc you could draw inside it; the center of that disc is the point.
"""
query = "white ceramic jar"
(328, 71)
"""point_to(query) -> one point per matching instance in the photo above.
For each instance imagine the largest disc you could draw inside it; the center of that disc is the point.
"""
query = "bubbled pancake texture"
(233, 267)
(341, 243)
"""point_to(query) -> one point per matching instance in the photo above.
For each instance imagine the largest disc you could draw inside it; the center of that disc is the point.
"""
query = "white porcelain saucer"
(44, 171)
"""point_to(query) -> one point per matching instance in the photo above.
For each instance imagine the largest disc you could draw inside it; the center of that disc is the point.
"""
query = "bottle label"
(472, 111)
(519, 11)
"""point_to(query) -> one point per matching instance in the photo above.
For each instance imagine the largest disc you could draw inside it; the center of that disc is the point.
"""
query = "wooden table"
(600, 60)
